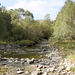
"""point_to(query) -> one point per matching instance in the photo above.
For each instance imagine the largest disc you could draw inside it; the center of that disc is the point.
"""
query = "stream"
(40, 59)
(27, 52)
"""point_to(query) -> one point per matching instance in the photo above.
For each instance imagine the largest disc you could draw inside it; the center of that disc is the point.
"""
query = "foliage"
(46, 28)
(65, 22)
(20, 25)
(3, 43)
(2, 27)
(67, 49)
(25, 42)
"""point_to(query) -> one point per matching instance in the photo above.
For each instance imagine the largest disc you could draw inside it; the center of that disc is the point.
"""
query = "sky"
(39, 8)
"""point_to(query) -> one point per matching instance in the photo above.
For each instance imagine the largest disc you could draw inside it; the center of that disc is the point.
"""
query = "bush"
(25, 42)
(3, 43)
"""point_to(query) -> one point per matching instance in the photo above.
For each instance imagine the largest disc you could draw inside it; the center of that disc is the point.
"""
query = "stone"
(58, 74)
(30, 61)
(40, 66)
(52, 69)
(68, 73)
(36, 73)
(44, 49)
(64, 73)
(48, 70)
(27, 73)
(20, 72)
(68, 69)
(45, 73)
(8, 46)
(33, 59)
(38, 69)
(41, 56)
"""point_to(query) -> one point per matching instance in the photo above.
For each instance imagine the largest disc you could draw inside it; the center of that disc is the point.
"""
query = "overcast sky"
(39, 8)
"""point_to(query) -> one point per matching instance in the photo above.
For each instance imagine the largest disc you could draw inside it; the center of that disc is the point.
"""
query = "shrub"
(25, 42)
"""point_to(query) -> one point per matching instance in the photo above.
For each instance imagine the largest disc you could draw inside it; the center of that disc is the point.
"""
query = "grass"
(3, 43)
(2, 70)
(21, 43)
(72, 69)
(25, 42)
(68, 50)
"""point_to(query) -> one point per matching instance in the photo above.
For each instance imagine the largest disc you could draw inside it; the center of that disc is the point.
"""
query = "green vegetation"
(25, 42)
(3, 43)
(2, 70)
(2, 27)
(68, 49)
(19, 26)
(64, 31)
(73, 69)
(65, 22)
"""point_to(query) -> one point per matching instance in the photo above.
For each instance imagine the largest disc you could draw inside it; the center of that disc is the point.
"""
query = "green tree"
(28, 14)
(64, 25)
(46, 27)
(2, 27)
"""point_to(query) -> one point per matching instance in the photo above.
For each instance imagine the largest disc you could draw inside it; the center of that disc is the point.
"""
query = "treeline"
(64, 26)
(19, 25)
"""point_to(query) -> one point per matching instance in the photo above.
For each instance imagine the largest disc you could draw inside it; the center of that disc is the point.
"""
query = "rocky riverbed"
(51, 64)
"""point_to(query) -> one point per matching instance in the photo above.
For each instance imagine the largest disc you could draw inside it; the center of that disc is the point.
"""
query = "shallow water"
(28, 52)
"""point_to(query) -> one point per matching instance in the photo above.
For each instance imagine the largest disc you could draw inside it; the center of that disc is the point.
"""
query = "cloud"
(40, 7)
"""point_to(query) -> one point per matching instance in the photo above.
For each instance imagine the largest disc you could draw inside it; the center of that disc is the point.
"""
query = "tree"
(28, 14)
(46, 27)
(47, 17)
(64, 25)
(2, 27)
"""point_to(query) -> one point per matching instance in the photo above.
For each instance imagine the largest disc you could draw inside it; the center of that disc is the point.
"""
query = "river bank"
(51, 64)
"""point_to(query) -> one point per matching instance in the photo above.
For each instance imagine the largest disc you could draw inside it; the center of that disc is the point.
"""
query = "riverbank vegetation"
(18, 25)
(64, 31)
